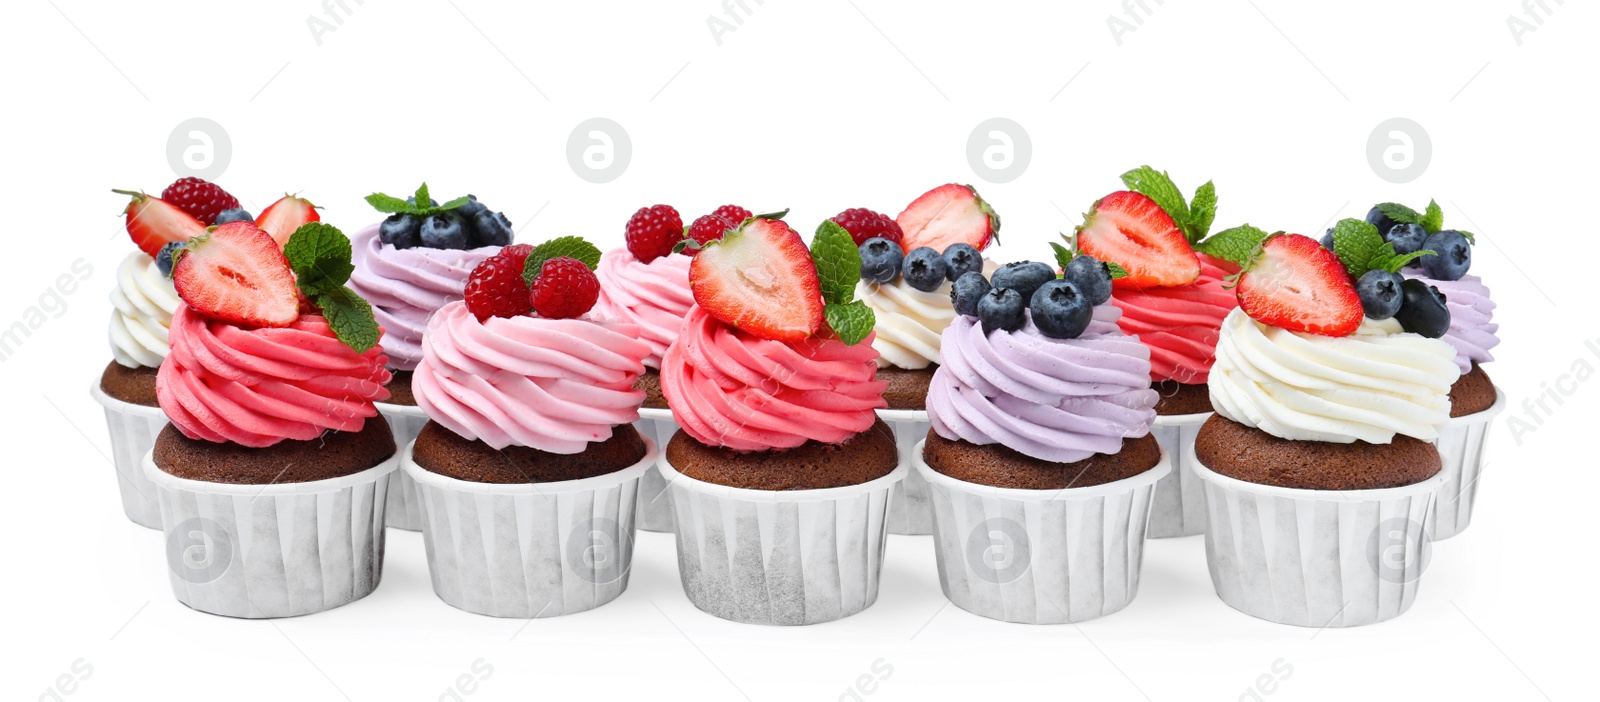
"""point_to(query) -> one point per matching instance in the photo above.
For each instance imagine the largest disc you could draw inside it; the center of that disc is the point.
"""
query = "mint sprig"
(1236, 244)
(568, 246)
(1399, 213)
(1360, 248)
(851, 322)
(838, 263)
(1194, 217)
(319, 255)
(1431, 218)
(389, 204)
(1065, 254)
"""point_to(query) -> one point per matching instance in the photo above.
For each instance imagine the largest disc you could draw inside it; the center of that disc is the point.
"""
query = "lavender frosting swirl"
(406, 286)
(1472, 328)
(1060, 400)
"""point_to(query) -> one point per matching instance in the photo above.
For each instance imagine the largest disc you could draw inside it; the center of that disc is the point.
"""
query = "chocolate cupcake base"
(811, 466)
(908, 389)
(1254, 456)
(135, 386)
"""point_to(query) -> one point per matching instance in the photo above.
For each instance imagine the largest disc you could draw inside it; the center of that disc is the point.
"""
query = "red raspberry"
(518, 253)
(203, 200)
(653, 231)
(864, 224)
(496, 288)
(733, 213)
(565, 288)
(708, 228)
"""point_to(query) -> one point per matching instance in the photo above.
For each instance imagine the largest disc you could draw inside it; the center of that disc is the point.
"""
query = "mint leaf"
(1117, 271)
(838, 262)
(852, 322)
(350, 317)
(1394, 263)
(1471, 238)
(569, 246)
(389, 204)
(422, 198)
(1202, 211)
(1157, 186)
(1064, 255)
(1399, 213)
(1354, 242)
(780, 214)
(319, 255)
(1433, 218)
(1238, 244)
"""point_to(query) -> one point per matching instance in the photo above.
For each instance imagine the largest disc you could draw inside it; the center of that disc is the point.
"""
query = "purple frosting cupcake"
(406, 286)
(1473, 331)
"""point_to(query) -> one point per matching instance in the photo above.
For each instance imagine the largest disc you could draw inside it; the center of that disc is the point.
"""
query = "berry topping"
(283, 217)
(237, 273)
(1025, 277)
(1406, 237)
(880, 260)
(1377, 218)
(967, 291)
(1092, 276)
(708, 228)
(1327, 239)
(1060, 310)
(488, 228)
(961, 259)
(946, 215)
(164, 258)
(734, 214)
(153, 223)
(445, 230)
(1451, 257)
(496, 288)
(235, 214)
(864, 224)
(1001, 308)
(924, 269)
(202, 199)
(461, 223)
(1379, 291)
(565, 289)
(470, 208)
(761, 279)
(1132, 230)
(402, 231)
(518, 253)
(653, 231)
(1297, 285)
(1423, 309)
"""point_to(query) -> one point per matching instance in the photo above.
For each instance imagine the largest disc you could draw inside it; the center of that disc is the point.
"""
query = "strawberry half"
(948, 214)
(154, 222)
(283, 217)
(237, 273)
(1296, 284)
(760, 278)
(1132, 231)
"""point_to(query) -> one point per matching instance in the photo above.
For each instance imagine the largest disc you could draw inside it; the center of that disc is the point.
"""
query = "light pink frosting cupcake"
(653, 295)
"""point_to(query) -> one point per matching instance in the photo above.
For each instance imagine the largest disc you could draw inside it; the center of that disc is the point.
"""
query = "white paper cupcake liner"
(1461, 446)
(405, 421)
(279, 550)
(133, 429)
(1179, 508)
(1316, 558)
(655, 503)
(1040, 556)
(780, 556)
(910, 511)
(529, 550)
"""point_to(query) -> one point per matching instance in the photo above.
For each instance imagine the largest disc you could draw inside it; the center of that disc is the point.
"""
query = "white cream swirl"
(910, 322)
(1369, 386)
(144, 302)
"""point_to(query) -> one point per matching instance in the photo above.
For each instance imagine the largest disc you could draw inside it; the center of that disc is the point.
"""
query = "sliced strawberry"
(1297, 285)
(760, 278)
(237, 273)
(1132, 231)
(154, 222)
(289, 213)
(948, 214)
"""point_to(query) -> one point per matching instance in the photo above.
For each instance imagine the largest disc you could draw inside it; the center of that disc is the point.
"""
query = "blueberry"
(961, 259)
(1023, 277)
(237, 214)
(967, 291)
(1001, 308)
(923, 269)
(401, 231)
(1451, 258)
(880, 260)
(1423, 310)
(1060, 310)
(164, 257)
(471, 209)
(1092, 277)
(1327, 239)
(413, 200)
(491, 229)
(444, 231)
(1377, 218)
(1406, 237)
(1380, 293)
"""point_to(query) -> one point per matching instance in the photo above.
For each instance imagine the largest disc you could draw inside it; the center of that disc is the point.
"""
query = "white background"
(818, 106)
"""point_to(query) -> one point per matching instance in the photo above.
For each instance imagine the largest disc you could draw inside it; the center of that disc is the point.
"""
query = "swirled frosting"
(1059, 400)
(653, 295)
(406, 286)
(1473, 331)
(1179, 323)
(258, 386)
(1378, 382)
(550, 384)
(144, 301)
(731, 389)
(910, 322)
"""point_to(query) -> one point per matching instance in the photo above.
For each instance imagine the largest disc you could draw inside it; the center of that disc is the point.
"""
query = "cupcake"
(781, 472)
(1173, 298)
(409, 266)
(1474, 399)
(908, 267)
(1040, 456)
(271, 477)
(1318, 464)
(529, 465)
